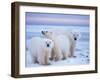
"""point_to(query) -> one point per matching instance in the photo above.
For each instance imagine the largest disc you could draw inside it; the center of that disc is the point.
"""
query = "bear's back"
(63, 41)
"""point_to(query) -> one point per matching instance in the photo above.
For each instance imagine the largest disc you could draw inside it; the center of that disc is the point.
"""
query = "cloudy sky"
(56, 19)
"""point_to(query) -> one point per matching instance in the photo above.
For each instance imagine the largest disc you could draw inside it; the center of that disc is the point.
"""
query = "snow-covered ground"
(81, 51)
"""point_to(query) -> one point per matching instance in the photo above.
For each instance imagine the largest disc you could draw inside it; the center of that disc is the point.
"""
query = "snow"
(81, 50)
(81, 53)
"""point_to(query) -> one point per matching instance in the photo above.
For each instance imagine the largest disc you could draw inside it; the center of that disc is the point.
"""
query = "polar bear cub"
(40, 49)
(64, 43)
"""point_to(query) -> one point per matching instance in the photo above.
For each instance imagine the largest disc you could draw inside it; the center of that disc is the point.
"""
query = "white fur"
(39, 50)
(64, 43)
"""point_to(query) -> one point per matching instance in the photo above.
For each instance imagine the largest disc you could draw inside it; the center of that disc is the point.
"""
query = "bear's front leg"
(46, 57)
(52, 56)
(41, 60)
(72, 50)
(65, 55)
(58, 54)
(41, 57)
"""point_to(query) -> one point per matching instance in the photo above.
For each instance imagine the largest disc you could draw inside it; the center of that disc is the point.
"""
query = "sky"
(56, 19)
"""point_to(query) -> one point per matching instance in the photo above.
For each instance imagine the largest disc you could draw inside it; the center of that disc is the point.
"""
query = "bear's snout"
(75, 38)
(48, 45)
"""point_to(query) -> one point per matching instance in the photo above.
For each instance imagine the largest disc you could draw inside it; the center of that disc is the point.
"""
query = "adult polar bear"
(40, 50)
(64, 43)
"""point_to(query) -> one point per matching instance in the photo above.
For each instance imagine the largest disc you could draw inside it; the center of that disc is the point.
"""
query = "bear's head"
(49, 43)
(76, 35)
(47, 34)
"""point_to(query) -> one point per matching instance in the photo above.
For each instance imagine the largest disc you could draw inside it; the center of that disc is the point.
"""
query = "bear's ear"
(77, 34)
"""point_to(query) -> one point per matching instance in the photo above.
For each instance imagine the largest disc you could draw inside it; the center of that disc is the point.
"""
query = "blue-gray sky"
(56, 19)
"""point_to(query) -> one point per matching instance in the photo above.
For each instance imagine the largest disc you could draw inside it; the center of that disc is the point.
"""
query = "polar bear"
(40, 50)
(64, 43)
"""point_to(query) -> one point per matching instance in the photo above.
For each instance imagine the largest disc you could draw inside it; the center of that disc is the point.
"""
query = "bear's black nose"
(48, 45)
(42, 32)
(75, 38)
